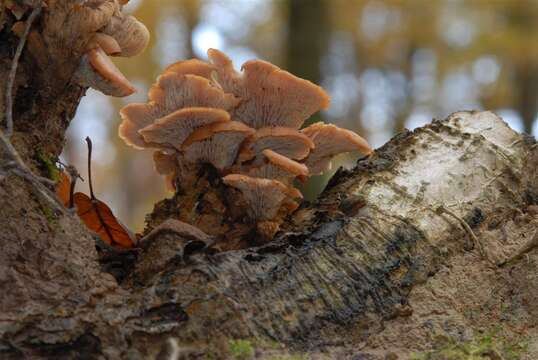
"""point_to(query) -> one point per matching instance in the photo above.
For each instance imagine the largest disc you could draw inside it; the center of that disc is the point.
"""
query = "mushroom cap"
(174, 128)
(264, 197)
(331, 140)
(191, 67)
(97, 71)
(219, 127)
(184, 230)
(217, 143)
(269, 96)
(131, 35)
(278, 167)
(175, 91)
(285, 141)
(172, 91)
(109, 45)
(135, 117)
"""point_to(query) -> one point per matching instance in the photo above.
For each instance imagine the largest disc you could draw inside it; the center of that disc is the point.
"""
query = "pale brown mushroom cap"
(269, 96)
(172, 91)
(217, 143)
(135, 117)
(278, 167)
(106, 42)
(264, 197)
(175, 91)
(329, 141)
(286, 141)
(174, 128)
(131, 35)
(97, 71)
(191, 67)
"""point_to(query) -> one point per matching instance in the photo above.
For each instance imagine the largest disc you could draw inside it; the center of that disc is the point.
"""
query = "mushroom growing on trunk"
(230, 147)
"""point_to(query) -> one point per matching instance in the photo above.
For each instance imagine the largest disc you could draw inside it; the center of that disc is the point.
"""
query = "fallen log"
(340, 270)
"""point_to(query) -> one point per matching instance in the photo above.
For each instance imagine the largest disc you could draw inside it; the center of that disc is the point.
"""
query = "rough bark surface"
(346, 267)
(397, 253)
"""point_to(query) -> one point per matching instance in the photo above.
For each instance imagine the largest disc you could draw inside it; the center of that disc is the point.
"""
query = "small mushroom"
(191, 67)
(278, 167)
(175, 91)
(285, 141)
(217, 143)
(172, 91)
(179, 228)
(174, 128)
(269, 96)
(329, 141)
(97, 71)
(137, 116)
(114, 34)
(106, 42)
(264, 197)
(131, 35)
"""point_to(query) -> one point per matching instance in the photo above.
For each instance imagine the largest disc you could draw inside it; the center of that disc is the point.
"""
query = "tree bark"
(347, 273)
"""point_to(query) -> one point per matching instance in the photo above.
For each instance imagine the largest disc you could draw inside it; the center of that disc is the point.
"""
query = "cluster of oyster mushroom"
(116, 34)
(246, 127)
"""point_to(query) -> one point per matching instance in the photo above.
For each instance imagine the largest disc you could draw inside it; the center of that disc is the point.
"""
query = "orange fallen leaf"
(63, 188)
(98, 217)
(95, 214)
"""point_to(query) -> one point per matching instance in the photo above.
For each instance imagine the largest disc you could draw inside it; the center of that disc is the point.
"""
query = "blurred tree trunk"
(307, 39)
(306, 45)
(526, 79)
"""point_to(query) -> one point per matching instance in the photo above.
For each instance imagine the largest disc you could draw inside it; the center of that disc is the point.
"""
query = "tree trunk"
(400, 250)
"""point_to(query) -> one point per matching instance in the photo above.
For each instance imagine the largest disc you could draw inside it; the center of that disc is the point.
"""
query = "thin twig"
(443, 210)
(13, 71)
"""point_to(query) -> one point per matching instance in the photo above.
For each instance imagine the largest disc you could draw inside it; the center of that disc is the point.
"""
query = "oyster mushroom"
(264, 197)
(135, 117)
(329, 141)
(269, 96)
(106, 42)
(278, 167)
(115, 34)
(217, 143)
(191, 67)
(171, 92)
(285, 141)
(97, 71)
(174, 91)
(131, 35)
(174, 128)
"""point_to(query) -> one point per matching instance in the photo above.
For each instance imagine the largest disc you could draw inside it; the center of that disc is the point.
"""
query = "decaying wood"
(344, 266)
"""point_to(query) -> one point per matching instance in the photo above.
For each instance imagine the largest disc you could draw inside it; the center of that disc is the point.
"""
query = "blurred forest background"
(387, 65)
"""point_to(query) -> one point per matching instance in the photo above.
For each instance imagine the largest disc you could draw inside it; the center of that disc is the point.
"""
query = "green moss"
(484, 348)
(241, 349)
(48, 162)
(52, 219)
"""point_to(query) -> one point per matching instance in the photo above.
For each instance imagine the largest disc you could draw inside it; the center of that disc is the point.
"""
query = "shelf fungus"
(230, 146)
